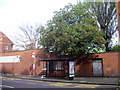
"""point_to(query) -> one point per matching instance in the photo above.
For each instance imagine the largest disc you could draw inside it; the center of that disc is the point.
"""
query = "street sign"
(33, 54)
(34, 61)
(10, 59)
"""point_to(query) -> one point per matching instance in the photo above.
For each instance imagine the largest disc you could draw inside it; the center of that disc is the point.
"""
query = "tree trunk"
(107, 47)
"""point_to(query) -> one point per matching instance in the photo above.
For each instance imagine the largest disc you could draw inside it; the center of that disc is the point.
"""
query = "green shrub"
(116, 48)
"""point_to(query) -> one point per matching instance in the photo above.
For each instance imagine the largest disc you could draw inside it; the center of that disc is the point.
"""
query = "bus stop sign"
(33, 54)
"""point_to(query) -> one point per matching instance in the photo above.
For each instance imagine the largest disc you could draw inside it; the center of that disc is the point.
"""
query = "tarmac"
(80, 80)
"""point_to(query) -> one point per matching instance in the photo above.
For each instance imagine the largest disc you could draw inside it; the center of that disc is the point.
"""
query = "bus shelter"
(60, 68)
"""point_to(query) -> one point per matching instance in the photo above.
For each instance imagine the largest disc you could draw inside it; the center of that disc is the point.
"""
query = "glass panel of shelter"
(53, 68)
(44, 67)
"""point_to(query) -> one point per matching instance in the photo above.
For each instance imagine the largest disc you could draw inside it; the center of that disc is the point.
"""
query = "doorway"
(97, 68)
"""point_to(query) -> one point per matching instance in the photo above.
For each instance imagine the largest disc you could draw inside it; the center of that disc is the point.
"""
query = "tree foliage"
(72, 31)
(105, 14)
(116, 48)
(28, 37)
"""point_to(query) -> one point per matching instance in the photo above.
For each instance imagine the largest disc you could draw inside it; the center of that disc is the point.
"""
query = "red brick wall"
(84, 69)
(110, 65)
(119, 64)
(26, 61)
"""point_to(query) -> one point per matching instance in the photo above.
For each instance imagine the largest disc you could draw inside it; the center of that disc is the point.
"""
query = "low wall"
(25, 66)
(83, 66)
(110, 61)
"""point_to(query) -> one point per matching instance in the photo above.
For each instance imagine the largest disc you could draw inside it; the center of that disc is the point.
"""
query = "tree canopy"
(72, 31)
(28, 37)
(105, 14)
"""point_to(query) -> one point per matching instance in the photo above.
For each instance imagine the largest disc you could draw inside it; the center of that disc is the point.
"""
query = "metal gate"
(97, 68)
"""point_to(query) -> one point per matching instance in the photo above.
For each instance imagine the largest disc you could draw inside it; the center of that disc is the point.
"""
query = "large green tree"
(105, 14)
(72, 31)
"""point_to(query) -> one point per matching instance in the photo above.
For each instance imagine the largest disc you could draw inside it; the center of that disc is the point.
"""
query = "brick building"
(6, 44)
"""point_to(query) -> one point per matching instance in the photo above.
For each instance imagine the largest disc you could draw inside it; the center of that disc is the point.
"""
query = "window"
(5, 48)
(0, 38)
(59, 65)
(44, 66)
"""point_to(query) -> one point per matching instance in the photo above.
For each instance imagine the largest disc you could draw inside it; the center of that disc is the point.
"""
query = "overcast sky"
(16, 12)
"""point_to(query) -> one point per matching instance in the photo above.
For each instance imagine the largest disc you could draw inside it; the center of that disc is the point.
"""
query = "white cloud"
(17, 12)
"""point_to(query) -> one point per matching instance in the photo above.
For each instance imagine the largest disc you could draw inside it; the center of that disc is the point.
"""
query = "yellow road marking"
(3, 77)
(84, 87)
(89, 85)
(61, 84)
(79, 85)
(11, 78)
(7, 78)
(17, 79)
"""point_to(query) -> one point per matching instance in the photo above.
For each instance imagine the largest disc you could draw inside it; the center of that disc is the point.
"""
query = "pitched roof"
(5, 39)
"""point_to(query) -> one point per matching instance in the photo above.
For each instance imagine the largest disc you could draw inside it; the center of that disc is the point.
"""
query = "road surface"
(24, 83)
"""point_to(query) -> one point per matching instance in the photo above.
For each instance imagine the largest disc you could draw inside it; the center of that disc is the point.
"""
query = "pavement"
(80, 80)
